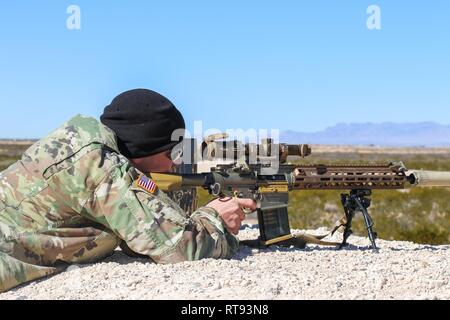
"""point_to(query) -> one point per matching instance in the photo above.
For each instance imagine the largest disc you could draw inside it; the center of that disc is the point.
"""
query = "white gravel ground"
(400, 270)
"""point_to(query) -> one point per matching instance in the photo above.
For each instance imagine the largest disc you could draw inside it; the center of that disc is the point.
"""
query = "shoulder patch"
(146, 184)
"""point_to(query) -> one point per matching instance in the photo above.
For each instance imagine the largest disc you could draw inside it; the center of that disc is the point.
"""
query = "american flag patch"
(147, 184)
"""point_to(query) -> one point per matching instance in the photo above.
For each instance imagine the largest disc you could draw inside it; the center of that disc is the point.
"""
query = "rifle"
(271, 190)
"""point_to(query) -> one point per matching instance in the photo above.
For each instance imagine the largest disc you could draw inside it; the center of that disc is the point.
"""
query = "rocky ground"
(400, 270)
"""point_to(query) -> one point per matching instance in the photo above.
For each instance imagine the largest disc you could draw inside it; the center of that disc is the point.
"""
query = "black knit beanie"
(143, 121)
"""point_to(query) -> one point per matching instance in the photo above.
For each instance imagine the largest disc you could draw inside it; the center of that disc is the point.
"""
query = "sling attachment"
(298, 241)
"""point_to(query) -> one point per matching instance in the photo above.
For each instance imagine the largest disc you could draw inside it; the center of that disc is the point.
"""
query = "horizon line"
(293, 130)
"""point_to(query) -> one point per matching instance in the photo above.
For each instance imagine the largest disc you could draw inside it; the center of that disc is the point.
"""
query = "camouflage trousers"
(32, 256)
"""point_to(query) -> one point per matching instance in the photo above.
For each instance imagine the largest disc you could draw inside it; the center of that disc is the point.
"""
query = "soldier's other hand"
(230, 210)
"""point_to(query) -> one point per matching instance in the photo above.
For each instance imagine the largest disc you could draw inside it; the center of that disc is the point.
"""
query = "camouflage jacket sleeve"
(152, 224)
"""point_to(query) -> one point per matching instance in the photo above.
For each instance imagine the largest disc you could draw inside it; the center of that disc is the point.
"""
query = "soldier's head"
(147, 126)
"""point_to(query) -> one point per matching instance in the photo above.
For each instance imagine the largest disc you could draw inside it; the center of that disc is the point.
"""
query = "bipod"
(358, 201)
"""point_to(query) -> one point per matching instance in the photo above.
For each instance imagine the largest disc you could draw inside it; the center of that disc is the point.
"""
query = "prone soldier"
(81, 191)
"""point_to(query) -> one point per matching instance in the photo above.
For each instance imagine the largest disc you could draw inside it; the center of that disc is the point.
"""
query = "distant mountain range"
(427, 134)
(387, 134)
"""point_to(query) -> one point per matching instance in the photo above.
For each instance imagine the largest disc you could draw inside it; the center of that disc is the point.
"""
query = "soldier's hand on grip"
(231, 211)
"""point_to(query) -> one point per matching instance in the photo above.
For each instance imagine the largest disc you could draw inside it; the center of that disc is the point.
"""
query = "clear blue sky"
(300, 65)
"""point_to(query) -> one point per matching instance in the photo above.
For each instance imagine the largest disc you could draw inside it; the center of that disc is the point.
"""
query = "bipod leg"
(369, 223)
(349, 214)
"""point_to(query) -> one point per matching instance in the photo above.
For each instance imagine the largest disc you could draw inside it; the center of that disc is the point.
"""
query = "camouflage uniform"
(72, 198)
